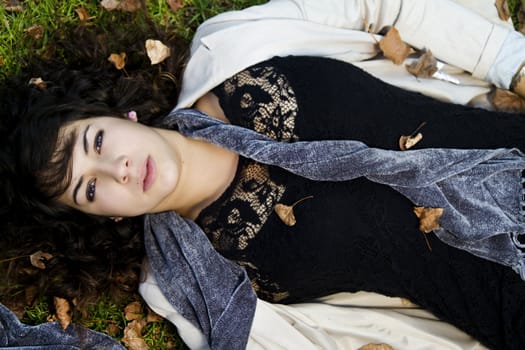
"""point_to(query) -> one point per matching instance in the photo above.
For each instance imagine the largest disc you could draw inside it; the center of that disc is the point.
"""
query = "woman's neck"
(206, 171)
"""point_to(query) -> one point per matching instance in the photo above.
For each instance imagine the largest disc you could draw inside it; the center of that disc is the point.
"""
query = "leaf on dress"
(428, 218)
(409, 141)
(503, 9)
(506, 101)
(285, 212)
(118, 60)
(157, 51)
(39, 258)
(393, 47)
(424, 67)
(63, 314)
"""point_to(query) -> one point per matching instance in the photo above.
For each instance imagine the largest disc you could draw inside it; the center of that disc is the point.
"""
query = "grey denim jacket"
(479, 190)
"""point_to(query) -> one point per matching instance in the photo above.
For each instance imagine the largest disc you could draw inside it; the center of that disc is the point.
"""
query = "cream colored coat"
(232, 41)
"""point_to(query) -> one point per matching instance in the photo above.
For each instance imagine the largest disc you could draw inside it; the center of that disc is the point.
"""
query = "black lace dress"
(356, 235)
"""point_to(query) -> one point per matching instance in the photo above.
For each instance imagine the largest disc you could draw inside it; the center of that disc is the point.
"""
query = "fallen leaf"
(37, 259)
(153, 317)
(424, 67)
(157, 51)
(393, 47)
(35, 31)
(285, 212)
(133, 335)
(118, 60)
(175, 5)
(506, 101)
(373, 346)
(112, 329)
(38, 83)
(63, 309)
(83, 14)
(133, 311)
(123, 5)
(503, 9)
(12, 5)
(407, 142)
(428, 218)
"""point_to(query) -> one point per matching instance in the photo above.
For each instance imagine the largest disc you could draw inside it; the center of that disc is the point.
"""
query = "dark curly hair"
(89, 254)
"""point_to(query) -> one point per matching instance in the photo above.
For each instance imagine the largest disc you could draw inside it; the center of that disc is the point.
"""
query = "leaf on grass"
(38, 259)
(157, 51)
(407, 142)
(133, 335)
(123, 5)
(428, 218)
(424, 67)
(506, 101)
(118, 60)
(175, 5)
(36, 31)
(12, 5)
(63, 309)
(503, 9)
(373, 346)
(153, 317)
(38, 83)
(83, 14)
(285, 212)
(133, 311)
(393, 47)
(112, 329)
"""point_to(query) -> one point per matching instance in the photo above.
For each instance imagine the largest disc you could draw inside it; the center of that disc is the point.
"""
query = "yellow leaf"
(407, 142)
(38, 259)
(424, 67)
(118, 60)
(393, 47)
(503, 9)
(133, 335)
(506, 101)
(82, 13)
(62, 308)
(428, 218)
(285, 213)
(157, 51)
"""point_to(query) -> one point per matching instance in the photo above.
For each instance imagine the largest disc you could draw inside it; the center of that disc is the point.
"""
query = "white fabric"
(232, 41)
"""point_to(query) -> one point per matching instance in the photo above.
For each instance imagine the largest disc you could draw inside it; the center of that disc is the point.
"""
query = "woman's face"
(119, 167)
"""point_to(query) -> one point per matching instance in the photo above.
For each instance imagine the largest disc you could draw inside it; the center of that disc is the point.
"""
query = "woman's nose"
(118, 169)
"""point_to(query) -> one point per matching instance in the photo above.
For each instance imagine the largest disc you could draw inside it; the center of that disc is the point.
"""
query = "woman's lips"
(151, 173)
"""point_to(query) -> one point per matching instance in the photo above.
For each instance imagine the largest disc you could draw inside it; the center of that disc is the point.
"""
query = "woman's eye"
(91, 189)
(99, 137)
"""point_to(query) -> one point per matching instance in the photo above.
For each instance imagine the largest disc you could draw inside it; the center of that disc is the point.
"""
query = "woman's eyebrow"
(86, 148)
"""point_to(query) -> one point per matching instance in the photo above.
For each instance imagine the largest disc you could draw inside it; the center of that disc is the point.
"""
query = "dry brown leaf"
(112, 329)
(285, 212)
(157, 51)
(123, 5)
(38, 83)
(35, 31)
(428, 218)
(37, 259)
(393, 47)
(133, 311)
(503, 9)
(373, 346)
(175, 5)
(83, 14)
(63, 309)
(12, 5)
(153, 317)
(424, 67)
(133, 335)
(407, 142)
(118, 60)
(506, 101)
